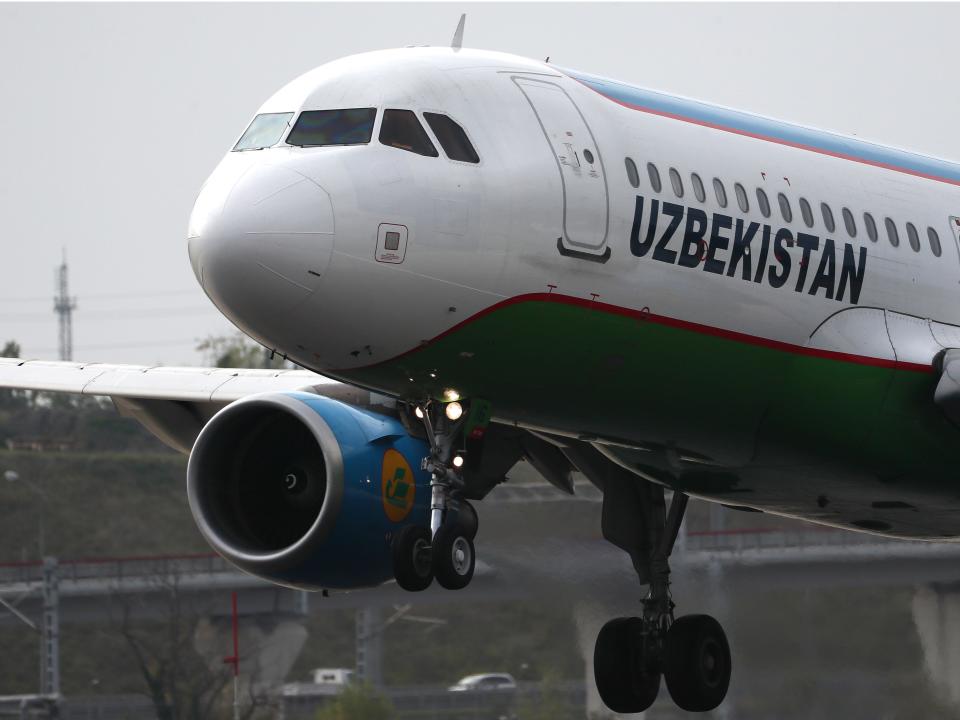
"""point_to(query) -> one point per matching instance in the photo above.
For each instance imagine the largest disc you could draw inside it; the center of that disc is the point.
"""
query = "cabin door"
(955, 226)
(585, 205)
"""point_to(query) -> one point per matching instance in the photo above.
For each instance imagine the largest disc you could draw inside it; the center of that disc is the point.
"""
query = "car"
(484, 682)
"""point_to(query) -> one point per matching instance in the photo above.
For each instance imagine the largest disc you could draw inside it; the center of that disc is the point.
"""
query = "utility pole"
(50, 632)
(64, 305)
(369, 647)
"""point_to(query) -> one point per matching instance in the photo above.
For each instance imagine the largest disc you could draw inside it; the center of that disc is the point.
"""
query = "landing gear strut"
(445, 551)
(632, 654)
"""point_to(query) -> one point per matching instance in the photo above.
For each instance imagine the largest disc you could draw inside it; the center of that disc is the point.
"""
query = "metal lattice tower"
(50, 630)
(64, 305)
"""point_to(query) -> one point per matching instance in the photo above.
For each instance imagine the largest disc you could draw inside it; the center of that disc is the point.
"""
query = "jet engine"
(306, 491)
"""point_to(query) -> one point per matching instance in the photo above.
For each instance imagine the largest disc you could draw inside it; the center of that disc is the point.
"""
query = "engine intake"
(306, 491)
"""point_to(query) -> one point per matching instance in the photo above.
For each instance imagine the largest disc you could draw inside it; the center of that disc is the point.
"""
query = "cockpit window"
(264, 131)
(401, 129)
(452, 138)
(315, 128)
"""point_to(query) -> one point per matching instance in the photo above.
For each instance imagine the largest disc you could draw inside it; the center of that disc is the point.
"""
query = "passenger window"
(934, 242)
(318, 128)
(265, 131)
(892, 232)
(914, 237)
(676, 182)
(828, 217)
(848, 222)
(785, 208)
(763, 202)
(871, 226)
(807, 212)
(720, 191)
(401, 129)
(632, 175)
(452, 138)
(741, 197)
(654, 177)
(698, 187)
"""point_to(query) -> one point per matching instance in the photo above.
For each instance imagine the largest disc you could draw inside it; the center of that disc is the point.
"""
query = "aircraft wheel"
(412, 561)
(696, 663)
(621, 672)
(454, 557)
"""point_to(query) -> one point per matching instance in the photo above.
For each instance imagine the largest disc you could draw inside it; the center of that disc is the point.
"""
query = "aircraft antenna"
(457, 42)
(63, 306)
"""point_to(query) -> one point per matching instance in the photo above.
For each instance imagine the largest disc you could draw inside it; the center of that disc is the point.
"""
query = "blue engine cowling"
(306, 491)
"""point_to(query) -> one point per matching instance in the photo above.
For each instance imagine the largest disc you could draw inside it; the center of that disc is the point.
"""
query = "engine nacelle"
(306, 491)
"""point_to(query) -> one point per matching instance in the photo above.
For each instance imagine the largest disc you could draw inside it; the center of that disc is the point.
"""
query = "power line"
(126, 346)
(105, 296)
(128, 312)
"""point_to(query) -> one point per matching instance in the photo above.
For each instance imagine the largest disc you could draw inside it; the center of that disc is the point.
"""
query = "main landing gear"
(632, 654)
(445, 550)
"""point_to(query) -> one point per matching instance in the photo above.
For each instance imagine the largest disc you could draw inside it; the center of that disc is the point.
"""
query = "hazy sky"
(114, 114)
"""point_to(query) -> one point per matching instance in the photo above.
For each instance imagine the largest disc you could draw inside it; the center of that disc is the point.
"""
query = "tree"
(238, 351)
(10, 399)
(360, 701)
(179, 682)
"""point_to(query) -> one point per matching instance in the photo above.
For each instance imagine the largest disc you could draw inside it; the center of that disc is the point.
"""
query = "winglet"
(457, 42)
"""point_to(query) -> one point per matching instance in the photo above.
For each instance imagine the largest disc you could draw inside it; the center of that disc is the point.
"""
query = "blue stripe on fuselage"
(772, 130)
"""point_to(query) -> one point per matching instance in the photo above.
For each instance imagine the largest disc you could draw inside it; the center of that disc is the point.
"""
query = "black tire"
(454, 557)
(412, 558)
(625, 683)
(696, 663)
(468, 519)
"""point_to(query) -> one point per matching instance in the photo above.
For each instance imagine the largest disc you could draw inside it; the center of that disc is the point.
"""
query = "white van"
(332, 676)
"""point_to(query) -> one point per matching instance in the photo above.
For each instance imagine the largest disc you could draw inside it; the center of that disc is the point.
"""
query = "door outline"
(599, 252)
(955, 231)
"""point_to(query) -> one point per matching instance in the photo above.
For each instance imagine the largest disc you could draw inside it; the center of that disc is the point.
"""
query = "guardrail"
(810, 537)
(733, 541)
(117, 568)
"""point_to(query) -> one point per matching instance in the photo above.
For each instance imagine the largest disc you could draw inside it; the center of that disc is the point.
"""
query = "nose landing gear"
(445, 551)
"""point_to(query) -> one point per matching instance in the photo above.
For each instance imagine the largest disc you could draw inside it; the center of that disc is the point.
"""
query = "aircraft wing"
(172, 402)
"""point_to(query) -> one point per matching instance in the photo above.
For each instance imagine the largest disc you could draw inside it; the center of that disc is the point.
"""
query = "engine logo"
(399, 486)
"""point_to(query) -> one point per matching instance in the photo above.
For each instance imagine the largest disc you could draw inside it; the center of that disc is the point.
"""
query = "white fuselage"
(289, 234)
(289, 243)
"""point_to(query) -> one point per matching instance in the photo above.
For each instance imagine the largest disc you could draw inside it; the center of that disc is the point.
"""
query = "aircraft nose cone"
(262, 245)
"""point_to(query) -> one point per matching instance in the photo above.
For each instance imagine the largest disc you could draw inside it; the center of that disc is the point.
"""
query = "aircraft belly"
(767, 427)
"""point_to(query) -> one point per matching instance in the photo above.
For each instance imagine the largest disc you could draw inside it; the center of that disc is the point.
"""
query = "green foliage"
(357, 702)
(11, 399)
(238, 351)
(96, 504)
(551, 704)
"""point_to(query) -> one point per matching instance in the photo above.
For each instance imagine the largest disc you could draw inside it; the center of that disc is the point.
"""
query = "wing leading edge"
(173, 403)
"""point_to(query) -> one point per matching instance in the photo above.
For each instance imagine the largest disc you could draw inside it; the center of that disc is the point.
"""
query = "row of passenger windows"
(786, 210)
(400, 129)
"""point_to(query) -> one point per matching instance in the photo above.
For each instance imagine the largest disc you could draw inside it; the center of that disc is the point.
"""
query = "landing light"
(451, 395)
(454, 411)
(419, 413)
(458, 461)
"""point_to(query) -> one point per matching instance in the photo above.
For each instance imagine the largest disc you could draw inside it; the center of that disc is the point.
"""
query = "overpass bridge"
(522, 554)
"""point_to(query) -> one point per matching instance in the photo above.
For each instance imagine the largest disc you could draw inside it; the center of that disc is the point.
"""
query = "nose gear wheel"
(445, 550)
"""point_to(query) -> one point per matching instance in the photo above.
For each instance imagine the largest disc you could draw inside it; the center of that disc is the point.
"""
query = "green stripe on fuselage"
(745, 405)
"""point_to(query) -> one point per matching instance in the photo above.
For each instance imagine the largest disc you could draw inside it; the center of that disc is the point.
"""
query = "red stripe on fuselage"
(733, 335)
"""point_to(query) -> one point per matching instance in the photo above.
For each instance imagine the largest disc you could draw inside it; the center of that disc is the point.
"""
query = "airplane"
(478, 258)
